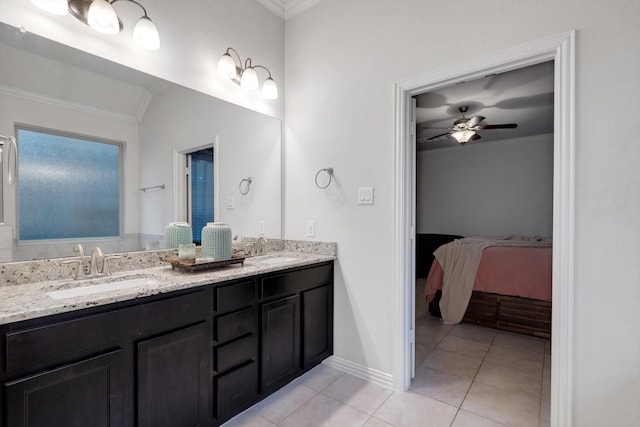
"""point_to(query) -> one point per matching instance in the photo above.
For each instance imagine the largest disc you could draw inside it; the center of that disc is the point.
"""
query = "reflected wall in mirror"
(45, 84)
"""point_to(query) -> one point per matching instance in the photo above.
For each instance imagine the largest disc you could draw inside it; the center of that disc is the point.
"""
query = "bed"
(511, 288)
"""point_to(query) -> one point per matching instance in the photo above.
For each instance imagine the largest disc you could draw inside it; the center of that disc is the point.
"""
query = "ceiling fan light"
(102, 17)
(226, 67)
(249, 79)
(145, 34)
(463, 136)
(269, 89)
(57, 7)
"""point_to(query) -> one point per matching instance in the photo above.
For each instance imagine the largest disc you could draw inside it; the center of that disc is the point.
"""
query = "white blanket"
(460, 260)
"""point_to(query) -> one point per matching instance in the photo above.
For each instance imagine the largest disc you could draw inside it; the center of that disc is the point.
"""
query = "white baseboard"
(377, 377)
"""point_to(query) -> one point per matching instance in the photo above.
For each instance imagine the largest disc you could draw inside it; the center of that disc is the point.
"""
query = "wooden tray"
(204, 265)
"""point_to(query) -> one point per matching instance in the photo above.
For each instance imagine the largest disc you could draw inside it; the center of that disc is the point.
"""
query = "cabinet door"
(173, 388)
(85, 393)
(280, 342)
(317, 325)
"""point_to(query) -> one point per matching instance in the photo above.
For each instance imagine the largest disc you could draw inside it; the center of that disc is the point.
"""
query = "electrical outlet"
(311, 229)
(261, 227)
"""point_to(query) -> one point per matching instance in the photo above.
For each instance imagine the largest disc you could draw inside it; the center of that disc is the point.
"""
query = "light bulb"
(226, 67)
(463, 136)
(102, 17)
(57, 7)
(249, 79)
(269, 89)
(145, 34)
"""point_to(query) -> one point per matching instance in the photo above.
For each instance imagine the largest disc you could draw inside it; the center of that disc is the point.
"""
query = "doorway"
(195, 180)
(200, 190)
(559, 49)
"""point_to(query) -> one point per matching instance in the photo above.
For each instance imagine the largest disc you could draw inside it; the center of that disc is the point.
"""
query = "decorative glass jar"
(216, 240)
(176, 233)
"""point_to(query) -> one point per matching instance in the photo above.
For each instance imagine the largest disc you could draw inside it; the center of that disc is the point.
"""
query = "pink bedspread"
(520, 271)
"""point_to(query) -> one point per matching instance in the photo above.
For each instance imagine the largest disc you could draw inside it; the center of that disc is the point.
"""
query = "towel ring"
(247, 186)
(329, 172)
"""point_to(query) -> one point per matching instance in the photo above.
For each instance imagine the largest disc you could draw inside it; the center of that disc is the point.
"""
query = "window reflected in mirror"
(69, 186)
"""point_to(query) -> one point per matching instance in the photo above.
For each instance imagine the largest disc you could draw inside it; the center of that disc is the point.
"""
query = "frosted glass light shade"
(269, 89)
(103, 18)
(145, 34)
(57, 7)
(226, 67)
(249, 79)
(463, 136)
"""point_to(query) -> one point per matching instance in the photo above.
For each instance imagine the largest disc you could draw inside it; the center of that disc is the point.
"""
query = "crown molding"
(43, 99)
(286, 9)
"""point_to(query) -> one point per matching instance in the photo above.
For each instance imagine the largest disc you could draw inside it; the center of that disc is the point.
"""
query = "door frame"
(179, 180)
(560, 49)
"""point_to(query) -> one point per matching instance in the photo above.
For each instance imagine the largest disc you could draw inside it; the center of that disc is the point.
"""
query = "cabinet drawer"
(233, 325)
(234, 296)
(295, 281)
(59, 342)
(235, 353)
(236, 391)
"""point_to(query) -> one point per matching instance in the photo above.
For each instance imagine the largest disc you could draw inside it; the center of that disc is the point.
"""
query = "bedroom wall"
(342, 61)
(489, 188)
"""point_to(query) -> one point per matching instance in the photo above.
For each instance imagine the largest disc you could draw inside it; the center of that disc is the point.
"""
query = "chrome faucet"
(98, 265)
(96, 257)
(260, 246)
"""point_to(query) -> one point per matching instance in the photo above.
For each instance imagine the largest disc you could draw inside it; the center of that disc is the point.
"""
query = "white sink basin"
(277, 260)
(116, 285)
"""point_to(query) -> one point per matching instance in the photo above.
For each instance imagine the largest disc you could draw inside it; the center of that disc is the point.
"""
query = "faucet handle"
(79, 268)
(105, 265)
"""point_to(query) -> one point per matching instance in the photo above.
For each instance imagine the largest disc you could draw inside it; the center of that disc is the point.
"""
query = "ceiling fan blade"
(474, 120)
(429, 127)
(505, 126)
(474, 137)
(436, 137)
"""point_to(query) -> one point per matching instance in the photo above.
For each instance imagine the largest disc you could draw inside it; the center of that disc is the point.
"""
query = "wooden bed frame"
(523, 315)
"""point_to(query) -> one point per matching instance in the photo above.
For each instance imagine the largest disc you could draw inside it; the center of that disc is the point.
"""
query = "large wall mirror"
(47, 85)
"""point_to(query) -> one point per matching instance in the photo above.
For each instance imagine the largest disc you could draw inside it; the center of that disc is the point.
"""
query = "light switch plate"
(230, 202)
(365, 195)
(311, 229)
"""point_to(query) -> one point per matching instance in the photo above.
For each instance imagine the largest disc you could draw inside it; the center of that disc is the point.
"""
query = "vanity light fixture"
(101, 16)
(245, 75)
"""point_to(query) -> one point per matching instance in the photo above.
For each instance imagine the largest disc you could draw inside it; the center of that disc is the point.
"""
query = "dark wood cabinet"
(280, 342)
(137, 363)
(317, 325)
(85, 393)
(191, 358)
(297, 323)
(173, 389)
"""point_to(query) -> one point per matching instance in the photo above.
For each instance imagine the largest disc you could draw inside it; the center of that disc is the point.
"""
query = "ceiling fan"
(464, 129)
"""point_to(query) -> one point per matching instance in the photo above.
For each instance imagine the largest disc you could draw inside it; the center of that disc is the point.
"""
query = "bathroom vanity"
(197, 350)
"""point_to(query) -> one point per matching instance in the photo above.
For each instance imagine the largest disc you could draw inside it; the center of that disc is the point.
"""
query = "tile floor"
(466, 376)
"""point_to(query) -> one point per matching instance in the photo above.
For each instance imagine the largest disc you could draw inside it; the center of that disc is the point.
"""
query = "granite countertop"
(30, 300)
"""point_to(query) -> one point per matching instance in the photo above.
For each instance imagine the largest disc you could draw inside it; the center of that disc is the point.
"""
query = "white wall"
(342, 60)
(249, 145)
(193, 36)
(45, 108)
(487, 188)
